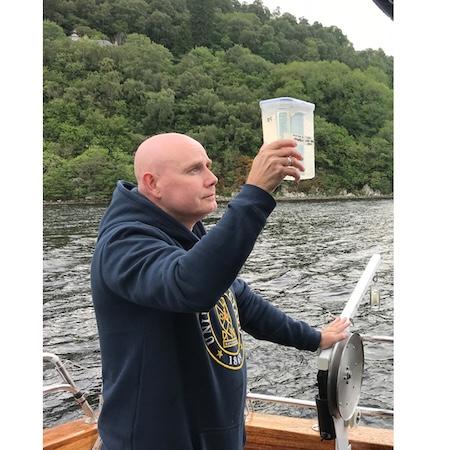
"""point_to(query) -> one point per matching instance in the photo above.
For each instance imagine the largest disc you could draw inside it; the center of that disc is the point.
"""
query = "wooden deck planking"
(264, 432)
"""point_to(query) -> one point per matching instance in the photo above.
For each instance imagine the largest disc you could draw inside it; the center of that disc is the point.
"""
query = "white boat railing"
(67, 386)
(252, 396)
(366, 337)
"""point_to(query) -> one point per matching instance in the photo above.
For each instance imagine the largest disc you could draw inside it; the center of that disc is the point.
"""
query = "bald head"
(158, 152)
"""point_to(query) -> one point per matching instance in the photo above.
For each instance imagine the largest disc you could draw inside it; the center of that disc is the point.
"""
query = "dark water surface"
(306, 261)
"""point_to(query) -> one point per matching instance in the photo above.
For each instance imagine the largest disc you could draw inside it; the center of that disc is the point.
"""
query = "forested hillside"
(142, 67)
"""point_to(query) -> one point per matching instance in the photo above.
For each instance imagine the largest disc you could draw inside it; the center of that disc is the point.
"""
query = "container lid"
(287, 101)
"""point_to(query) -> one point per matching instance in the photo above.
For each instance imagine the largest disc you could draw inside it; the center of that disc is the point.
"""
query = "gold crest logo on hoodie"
(222, 332)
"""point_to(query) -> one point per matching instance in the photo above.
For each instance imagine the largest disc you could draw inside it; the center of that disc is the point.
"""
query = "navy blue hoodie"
(170, 314)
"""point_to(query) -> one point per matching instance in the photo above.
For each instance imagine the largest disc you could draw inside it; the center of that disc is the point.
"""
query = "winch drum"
(345, 377)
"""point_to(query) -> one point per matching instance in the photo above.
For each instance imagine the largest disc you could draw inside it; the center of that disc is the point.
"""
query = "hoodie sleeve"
(264, 321)
(142, 267)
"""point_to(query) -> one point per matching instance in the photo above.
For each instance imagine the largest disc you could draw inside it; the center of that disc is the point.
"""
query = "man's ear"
(150, 182)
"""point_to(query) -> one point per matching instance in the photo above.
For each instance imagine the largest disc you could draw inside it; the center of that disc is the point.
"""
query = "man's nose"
(211, 179)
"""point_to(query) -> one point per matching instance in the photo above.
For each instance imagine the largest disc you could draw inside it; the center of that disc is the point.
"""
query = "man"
(170, 309)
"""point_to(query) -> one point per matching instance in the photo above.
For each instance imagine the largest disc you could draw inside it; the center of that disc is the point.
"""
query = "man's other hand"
(334, 332)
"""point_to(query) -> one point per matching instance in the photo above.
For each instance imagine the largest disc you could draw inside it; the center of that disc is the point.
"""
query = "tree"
(241, 28)
(52, 31)
(202, 17)
(143, 60)
(159, 112)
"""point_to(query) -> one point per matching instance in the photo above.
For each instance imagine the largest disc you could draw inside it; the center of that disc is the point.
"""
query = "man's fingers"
(281, 143)
(290, 161)
(283, 147)
(293, 172)
(335, 331)
(340, 321)
(296, 163)
(342, 326)
(344, 334)
(285, 152)
(344, 321)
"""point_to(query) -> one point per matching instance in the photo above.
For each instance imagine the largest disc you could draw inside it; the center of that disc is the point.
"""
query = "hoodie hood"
(129, 206)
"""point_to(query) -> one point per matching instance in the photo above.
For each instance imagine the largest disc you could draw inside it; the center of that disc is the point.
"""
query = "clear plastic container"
(290, 118)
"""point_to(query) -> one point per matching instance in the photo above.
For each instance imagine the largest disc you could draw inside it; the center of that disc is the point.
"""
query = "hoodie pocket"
(231, 438)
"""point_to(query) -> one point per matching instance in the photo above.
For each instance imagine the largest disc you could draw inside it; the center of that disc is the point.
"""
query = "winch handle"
(353, 303)
(361, 287)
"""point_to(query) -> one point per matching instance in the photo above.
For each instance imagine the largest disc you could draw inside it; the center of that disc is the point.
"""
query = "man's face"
(187, 185)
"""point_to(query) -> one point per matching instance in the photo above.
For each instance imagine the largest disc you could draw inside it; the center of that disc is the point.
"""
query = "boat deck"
(264, 432)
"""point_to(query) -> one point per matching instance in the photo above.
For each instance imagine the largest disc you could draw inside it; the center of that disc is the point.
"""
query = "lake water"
(306, 261)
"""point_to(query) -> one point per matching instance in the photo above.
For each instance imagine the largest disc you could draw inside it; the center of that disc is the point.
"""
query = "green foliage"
(350, 98)
(159, 112)
(201, 68)
(91, 174)
(52, 31)
(201, 20)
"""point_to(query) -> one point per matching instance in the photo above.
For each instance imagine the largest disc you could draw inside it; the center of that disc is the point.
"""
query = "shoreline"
(332, 198)
(226, 199)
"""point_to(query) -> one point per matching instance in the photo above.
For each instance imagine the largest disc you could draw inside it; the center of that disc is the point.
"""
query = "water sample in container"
(290, 118)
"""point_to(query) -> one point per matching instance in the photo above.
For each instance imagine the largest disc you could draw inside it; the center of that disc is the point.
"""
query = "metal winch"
(340, 373)
(345, 377)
